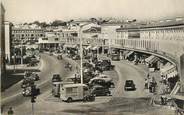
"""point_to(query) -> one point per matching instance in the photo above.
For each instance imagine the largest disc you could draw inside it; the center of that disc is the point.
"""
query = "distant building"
(164, 37)
(8, 41)
(108, 34)
(91, 36)
(2, 39)
(51, 40)
(26, 36)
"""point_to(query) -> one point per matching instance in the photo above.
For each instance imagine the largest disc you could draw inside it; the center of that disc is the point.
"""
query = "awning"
(149, 59)
(166, 68)
(154, 60)
(70, 46)
(129, 53)
(172, 74)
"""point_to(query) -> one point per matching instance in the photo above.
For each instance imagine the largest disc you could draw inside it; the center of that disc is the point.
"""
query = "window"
(71, 90)
(56, 39)
(44, 38)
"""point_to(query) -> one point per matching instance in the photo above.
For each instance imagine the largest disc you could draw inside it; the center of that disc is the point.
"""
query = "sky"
(49, 10)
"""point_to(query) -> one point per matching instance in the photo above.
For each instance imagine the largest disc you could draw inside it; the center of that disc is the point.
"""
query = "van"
(71, 92)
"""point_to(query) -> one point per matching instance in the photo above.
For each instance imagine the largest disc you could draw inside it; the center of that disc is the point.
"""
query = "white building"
(8, 41)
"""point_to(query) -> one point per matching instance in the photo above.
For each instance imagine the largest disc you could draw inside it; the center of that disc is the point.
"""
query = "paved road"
(13, 96)
(120, 102)
(126, 71)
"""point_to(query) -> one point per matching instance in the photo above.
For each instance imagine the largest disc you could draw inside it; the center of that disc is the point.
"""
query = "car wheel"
(69, 100)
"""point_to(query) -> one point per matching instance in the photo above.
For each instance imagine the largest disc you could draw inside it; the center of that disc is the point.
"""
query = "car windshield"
(129, 82)
(56, 76)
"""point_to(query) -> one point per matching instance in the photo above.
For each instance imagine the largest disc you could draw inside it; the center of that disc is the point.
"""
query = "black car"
(100, 91)
(27, 82)
(129, 85)
(56, 78)
(60, 57)
(101, 82)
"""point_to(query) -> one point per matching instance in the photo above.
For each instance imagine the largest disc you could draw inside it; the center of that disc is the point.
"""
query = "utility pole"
(81, 53)
(81, 50)
(22, 51)
(14, 60)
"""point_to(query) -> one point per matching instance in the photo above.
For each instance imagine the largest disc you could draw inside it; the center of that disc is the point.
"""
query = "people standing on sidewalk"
(146, 84)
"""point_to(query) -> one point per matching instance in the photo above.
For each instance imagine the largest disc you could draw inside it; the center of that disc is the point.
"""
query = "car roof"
(129, 80)
(96, 86)
(74, 85)
(56, 74)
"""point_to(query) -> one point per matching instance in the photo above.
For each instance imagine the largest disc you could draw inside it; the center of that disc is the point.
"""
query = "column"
(181, 70)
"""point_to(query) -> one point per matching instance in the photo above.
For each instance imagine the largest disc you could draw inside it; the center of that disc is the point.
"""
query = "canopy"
(166, 68)
(129, 53)
(151, 59)
(172, 74)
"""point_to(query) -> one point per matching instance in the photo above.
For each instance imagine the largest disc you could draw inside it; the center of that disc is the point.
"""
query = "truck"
(72, 92)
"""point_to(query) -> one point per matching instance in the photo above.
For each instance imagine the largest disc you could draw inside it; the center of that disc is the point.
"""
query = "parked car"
(76, 57)
(32, 63)
(27, 82)
(56, 78)
(129, 85)
(101, 81)
(99, 90)
(106, 65)
(35, 77)
(27, 91)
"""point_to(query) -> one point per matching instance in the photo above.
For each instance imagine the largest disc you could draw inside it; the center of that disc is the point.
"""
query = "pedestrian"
(162, 100)
(10, 111)
(146, 84)
(148, 76)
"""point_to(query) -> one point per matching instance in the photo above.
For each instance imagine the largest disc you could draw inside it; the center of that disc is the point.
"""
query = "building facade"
(2, 39)
(8, 41)
(26, 36)
(166, 38)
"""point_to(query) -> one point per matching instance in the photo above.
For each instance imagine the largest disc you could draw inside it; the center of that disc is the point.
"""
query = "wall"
(2, 39)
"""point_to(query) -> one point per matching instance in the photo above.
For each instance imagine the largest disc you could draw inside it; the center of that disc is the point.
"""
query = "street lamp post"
(81, 53)
(81, 50)
(22, 51)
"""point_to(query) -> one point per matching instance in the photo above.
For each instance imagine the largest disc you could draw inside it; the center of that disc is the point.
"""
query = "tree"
(58, 23)
(43, 24)
(36, 22)
(93, 19)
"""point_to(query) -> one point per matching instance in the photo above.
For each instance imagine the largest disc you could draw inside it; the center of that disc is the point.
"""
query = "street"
(120, 102)
(13, 97)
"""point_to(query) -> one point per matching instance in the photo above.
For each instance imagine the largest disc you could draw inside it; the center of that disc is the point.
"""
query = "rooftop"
(153, 24)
